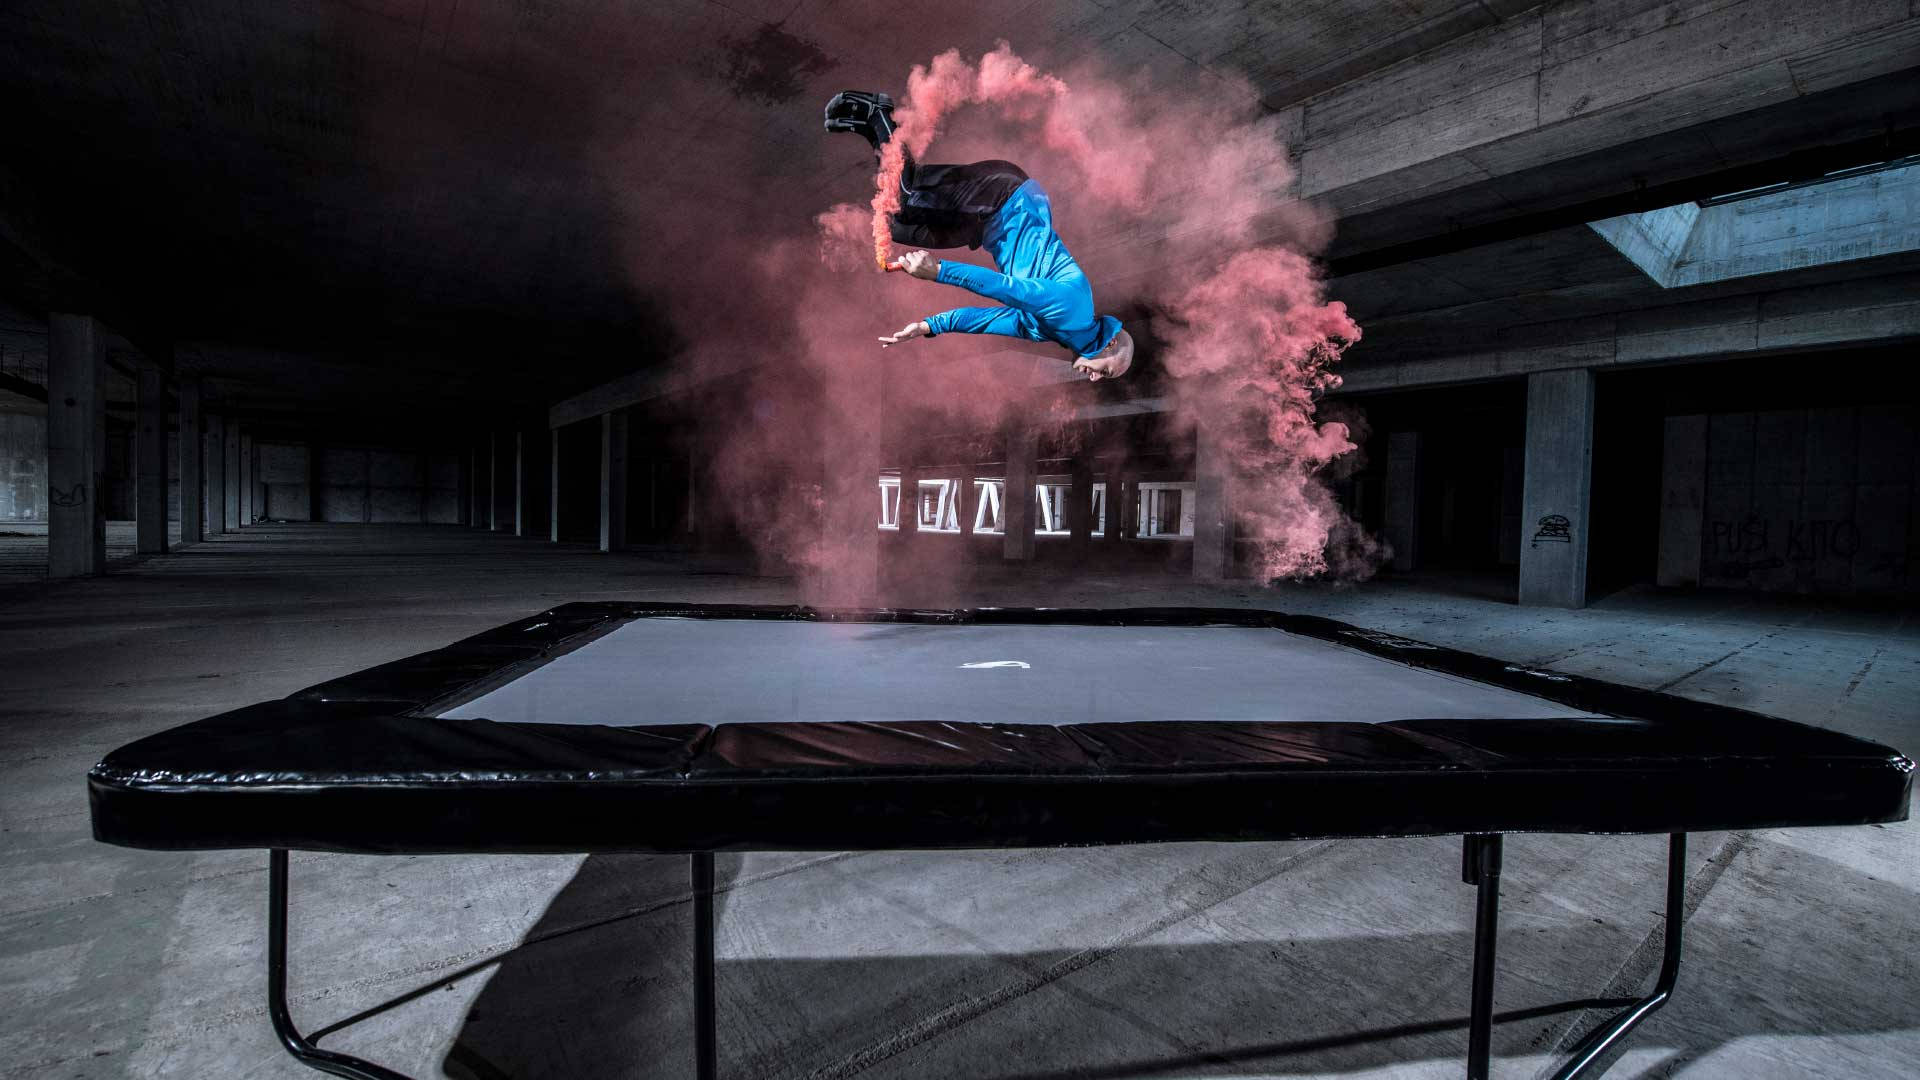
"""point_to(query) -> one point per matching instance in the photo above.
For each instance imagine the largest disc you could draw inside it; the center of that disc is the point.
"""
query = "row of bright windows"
(1161, 510)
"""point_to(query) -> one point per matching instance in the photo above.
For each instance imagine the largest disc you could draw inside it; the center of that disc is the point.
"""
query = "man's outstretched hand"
(920, 264)
(908, 332)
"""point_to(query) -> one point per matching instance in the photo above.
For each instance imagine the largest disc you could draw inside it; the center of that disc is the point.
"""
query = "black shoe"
(866, 114)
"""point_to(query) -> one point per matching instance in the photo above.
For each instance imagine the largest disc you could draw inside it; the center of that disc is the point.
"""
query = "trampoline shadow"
(594, 995)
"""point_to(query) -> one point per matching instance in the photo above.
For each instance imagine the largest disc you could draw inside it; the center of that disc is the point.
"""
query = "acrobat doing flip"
(990, 204)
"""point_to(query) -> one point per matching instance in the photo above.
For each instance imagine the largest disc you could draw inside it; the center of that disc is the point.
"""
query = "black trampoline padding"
(678, 728)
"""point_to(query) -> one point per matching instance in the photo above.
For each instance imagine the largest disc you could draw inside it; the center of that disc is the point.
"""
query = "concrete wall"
(443, 489)
(359, 484)
(1798, 500)
(23, 467)
(285, 478)
(343, 477)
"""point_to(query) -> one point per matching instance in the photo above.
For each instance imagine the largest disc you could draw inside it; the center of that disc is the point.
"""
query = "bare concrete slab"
(1344, 958)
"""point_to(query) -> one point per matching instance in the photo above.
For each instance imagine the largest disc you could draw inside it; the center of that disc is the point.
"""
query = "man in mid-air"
(990, 204)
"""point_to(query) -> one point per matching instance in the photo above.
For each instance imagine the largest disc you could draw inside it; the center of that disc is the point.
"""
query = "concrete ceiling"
(431, 200)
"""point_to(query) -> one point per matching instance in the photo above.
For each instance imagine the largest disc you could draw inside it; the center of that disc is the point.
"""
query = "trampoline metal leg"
(705, 1046)
(297, 1044)
(1596, 1043)
(1480, 858)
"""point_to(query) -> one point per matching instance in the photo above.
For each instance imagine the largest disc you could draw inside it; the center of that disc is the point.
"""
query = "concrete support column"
(1080, 506)
(425, 480)
(1683, 501)
(613, 480)
(496, 482)
(850, 576)
(192, 445)
(1403, 499)
(463, 497)
(230, 457)
(909, 499)
(553, 486)
(150, 462)
(216, 457)
(1212, 508)
(1017, 499)
(1119, 518)
(249, 512)
(76, 421)
(967, 501)
(316, 473)
(476, 487)
(1558, 489)
(520, 493)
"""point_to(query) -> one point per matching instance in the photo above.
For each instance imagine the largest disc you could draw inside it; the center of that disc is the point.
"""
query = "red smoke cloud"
(1178, 200)
(1175, 199)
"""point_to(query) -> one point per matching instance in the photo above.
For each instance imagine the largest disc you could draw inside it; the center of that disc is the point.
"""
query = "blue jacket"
(1046, 294)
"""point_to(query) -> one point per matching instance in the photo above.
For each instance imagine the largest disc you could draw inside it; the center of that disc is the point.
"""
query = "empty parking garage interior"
(1575, 338)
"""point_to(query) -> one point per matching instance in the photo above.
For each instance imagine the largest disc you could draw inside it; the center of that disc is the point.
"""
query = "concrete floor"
(23, 548)
(1342, 958)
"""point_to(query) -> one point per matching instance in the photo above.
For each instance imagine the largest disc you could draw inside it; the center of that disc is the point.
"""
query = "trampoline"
(694, 729)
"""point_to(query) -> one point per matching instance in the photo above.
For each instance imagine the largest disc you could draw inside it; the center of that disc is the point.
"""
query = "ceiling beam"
(1800, 165)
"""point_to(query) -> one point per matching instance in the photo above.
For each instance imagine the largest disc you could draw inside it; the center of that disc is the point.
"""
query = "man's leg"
(941, 206)
(950, 205)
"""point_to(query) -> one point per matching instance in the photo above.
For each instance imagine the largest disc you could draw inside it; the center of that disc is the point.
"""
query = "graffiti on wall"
(1754, 544)
(1553, 529)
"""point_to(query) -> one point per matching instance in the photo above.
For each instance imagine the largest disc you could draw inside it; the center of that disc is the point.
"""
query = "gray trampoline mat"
(719, 671)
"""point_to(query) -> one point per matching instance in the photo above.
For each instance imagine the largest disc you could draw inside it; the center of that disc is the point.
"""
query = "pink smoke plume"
(1200, 179)
(1175, 200)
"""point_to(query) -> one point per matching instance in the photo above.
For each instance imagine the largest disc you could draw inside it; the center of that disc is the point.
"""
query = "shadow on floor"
(613, 1000)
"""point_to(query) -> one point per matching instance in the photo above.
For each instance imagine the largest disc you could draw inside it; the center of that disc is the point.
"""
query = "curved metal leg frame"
(297, 1044)
(1597, 1043)
(706, 1055)
(1480, 867)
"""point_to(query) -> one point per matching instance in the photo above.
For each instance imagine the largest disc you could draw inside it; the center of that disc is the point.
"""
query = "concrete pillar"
(150, 462)
(909, 517)
(192, 448)
(424, 477)
(316, 474)
(247, 509)
(1558, 488)
(231, 464)
(496, 479)
(476, 483)
(520, 493)
(1683, 501)
(1403, 499)
(656, 473)
(613, 480)
(1118, 524)
(76, 420)
(1080, 506)
(216, 456)
(1017, 511)
(967, 501)
(850, 576)
(553, 486)
(1212, 508)
(463, 494)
